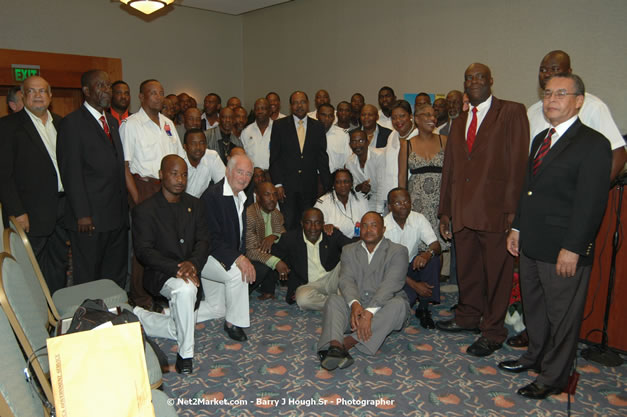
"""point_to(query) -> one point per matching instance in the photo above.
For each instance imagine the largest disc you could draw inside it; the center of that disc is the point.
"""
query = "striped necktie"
(544, 149)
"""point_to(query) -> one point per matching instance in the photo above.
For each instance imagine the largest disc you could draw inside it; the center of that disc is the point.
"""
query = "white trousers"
(226, 295)
(179, 325)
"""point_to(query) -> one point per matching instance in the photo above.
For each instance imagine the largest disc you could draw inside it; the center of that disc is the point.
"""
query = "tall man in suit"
(31, 188)
(561, 206)
(481, 180)
(91, 161)
(313, 258)
(298, 153)
(373, 303)
(171, 240)
(228, 271)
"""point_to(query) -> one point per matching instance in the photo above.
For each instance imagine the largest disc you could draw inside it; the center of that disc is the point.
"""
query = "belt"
(147, 179)
(427, 169)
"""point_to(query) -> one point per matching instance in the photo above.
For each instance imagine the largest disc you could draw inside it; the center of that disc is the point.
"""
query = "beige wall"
(346, 46)
(179, 49)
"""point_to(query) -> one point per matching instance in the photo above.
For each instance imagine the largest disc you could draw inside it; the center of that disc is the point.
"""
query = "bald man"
(377, 134)
(256, 136)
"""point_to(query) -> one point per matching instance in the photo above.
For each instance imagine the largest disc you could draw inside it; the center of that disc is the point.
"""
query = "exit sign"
(22, 72)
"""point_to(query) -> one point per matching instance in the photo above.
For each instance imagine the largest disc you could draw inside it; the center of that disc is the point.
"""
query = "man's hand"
(283, 270)
(566, 263)
(444, 228)
(86, 225)
(247, 269)
(512, 242)
(364, 187)
(510, 220)
(23, 222)
(281, 192)
(267, 243)
(187, 272)
(422, 288)
(328, 229)
(421, 260)
(364, 326)
(356, 312)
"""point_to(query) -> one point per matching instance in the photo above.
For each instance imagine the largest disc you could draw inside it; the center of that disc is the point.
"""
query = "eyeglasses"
(400, 203)
(554, 69)
(360, 140)
(559, 94)
(35, 91)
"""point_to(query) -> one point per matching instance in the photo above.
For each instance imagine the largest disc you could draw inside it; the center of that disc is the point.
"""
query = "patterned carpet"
(416, 373)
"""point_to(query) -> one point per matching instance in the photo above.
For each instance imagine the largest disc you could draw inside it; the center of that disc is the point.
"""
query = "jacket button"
(302, 157)
(529, 192)
(300, 171)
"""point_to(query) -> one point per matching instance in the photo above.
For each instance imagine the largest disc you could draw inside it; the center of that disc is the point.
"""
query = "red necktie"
(544, 149)
(472, 130)
(105, 126)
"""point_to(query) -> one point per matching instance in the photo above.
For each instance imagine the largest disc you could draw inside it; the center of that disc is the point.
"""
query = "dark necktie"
(472, 130)
(105, 126)
(544, 149)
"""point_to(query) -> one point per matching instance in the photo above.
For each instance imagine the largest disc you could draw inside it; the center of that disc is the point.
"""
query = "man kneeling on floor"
(372, 304)
(171, 241)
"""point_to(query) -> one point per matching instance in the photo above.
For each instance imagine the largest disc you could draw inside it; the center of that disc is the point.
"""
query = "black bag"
(93, 313)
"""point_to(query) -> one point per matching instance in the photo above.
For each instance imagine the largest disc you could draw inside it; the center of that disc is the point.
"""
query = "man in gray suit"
(372, 304)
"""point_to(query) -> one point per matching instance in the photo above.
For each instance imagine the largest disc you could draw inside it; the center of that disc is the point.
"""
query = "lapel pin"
(189, 209)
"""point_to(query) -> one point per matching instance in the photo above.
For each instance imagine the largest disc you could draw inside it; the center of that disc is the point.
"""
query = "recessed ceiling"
(234, 7)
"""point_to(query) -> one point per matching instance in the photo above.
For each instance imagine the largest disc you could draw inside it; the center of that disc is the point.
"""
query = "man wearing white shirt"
(368, 167)
(387, 97)
(377, 134)
(322, 97)
(275, 106)
(337, 138)
(204, 165)
(256, 136)
(212, 105)
(147, 136)
(343, 116)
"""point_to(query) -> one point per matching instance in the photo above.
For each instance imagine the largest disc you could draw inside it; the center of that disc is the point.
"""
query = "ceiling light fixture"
(147, 6)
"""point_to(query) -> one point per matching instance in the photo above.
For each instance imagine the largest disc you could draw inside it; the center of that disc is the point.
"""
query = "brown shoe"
(266, 296)
(519, 341)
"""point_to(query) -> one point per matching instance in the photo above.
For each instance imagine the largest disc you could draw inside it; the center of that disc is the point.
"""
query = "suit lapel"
(33, 134)
(489, 121)
(559, 147)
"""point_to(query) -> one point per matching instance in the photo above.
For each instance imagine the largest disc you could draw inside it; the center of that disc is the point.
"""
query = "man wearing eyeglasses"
(560, 209)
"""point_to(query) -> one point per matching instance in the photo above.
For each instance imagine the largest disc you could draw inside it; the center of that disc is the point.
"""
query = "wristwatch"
(431, 252)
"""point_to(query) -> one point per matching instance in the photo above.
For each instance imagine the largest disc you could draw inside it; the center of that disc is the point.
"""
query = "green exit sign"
(22, 72)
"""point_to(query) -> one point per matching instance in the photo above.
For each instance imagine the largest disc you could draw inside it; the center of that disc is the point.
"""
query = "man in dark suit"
(171, 241)
(481, 180)
(561, 207)
(228, 271)
(31, 187)
(91, 162)
(313, 257)
(298, 153)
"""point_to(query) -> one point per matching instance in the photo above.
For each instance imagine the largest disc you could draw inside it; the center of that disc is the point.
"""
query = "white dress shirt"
(373, 170)
(145, 144)
(385, 121)
(209, 125)
(337, 147)
(417, 230)
(344, 218)
(210, 168)
(257, 145)
(594, 113)
(48, 134)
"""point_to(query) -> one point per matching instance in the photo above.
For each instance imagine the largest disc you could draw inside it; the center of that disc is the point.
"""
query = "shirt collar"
(228, 191)
(561, 128)
(35, 117)
(363, 245)
(93, 111)
(296, 120)
(483, 106)
(307, 242)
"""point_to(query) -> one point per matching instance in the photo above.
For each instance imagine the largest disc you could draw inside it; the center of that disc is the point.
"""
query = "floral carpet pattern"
(417, 372)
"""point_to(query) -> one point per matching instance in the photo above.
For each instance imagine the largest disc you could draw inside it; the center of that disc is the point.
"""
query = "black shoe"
(483, 347)
(290, 298)
(538, 391)
(451, 326)
(235, 333)
(516, 367)
(519, 341)
(336, 357)
(184, 366)
(424, 315)
(322, 354)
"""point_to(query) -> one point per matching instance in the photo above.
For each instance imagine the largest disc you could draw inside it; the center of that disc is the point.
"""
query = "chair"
(1, 228)
(29, 316)
(65, 301)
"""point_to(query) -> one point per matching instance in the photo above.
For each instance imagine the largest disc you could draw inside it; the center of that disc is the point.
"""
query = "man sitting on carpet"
(372, 304)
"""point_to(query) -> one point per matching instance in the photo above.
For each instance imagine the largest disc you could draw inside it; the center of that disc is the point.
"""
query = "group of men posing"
(206, 254)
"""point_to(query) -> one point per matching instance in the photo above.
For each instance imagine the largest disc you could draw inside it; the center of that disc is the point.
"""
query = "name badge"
(167, 129)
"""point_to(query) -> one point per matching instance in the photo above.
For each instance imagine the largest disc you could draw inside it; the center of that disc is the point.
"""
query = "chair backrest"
(28, 318)
(1, 228)
(18, 398)
(17, 244)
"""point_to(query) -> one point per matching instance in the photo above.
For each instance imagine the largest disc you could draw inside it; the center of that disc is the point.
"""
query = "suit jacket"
(296, 171)
(382, 137)
(92, 170)
(291, 249)
(223, 224)
(563, 204)
(374, 284)
(479, 189)
(166, 234)
(256, 231)
(29, 182)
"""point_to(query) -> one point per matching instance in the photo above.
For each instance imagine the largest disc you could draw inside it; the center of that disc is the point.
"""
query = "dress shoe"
(424, 316)
(519, 341)
(516, 367)
(483, 347)
(290, 298)
(266, 296)
(451, 326)
(538, 391)
(322, 354)
(336, 357)
(184, 366)
(235, 333)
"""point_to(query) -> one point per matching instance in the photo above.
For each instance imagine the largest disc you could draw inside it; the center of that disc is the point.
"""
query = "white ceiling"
(234, 7)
